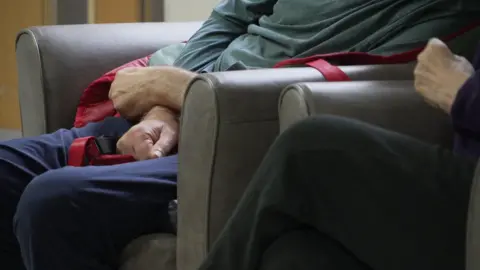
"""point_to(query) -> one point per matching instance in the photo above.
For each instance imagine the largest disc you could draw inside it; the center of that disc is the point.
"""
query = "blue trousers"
(59, 217)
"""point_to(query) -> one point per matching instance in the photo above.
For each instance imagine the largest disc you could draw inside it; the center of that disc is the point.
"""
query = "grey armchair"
(393, 105)
(56, 63)
(228, 122)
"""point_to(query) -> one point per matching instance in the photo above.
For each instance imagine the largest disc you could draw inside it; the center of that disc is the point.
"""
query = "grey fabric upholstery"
(392, 105)
(56, 63)
(228, 122)
(150, 252)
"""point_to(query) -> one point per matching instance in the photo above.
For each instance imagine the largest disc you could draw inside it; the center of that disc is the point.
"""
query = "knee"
(319, 131)
(47, 200)
(307, 249)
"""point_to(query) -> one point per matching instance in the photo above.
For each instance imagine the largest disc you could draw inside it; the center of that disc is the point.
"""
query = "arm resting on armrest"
(56, 63)
(392, 105)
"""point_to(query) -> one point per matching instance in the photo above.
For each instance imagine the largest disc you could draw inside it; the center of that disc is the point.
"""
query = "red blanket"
(94, 103)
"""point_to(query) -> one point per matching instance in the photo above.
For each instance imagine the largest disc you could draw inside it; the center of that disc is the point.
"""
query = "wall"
(18, 14)
(197, 9)
(110, 11)
(14, 15)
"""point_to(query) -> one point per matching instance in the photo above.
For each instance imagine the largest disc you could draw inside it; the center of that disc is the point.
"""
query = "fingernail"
(158, 153)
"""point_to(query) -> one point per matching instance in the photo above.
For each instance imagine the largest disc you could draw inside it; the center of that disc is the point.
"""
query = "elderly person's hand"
(155, 136)
(439, 74)
(135, 91)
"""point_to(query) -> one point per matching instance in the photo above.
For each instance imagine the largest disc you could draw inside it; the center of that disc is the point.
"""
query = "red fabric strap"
(77, 153)
(84, 151)
(330, 72)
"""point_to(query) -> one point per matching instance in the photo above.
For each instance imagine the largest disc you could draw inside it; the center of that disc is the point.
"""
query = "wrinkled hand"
(136, 90)
(149, 139)
(440, 74)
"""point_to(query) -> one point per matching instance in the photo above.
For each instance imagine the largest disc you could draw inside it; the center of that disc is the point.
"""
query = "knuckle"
(121, 145)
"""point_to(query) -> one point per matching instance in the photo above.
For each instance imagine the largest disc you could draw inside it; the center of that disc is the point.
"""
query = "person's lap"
(308, 249)
(93, 209)
(401, 190)
(389, 200)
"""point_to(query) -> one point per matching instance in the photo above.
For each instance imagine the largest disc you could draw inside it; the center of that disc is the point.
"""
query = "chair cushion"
(154, 251)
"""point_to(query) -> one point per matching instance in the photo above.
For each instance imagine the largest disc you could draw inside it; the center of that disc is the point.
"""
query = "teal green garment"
(260, 33)
(166, 55)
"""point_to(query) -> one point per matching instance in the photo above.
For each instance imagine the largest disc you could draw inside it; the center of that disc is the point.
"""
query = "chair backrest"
(56, 63)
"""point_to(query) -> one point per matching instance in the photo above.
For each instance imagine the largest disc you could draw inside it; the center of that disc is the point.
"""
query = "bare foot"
(439, 74)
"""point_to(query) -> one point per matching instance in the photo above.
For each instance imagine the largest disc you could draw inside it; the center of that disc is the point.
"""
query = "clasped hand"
(153, 95)
(440, 74)
(153, 137)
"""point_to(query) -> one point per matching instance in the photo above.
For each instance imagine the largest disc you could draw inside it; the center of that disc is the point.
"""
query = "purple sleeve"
(466, 114)
(466, 107)
(466, 117)
(476, 59)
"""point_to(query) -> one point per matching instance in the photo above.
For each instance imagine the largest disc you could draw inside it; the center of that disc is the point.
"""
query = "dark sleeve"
(466, 108)
(476, 59)
(228, 20)
(466, 117)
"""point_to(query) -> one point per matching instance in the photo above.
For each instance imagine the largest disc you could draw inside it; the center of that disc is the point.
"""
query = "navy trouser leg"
(53, 202)
(81, 218)
(21, 160)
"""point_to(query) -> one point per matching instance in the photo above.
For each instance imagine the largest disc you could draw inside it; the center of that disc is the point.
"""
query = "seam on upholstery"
(31, 34)
(213, 84)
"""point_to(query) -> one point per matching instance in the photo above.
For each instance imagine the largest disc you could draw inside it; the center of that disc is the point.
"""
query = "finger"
(425, 80)
(436, 54)
(430, 95)
(422, 89)
(424, 70)
(122, 147)
(439, 46)
(167, 141)
(126, 147)
(143, 149)
(464, 65)
(431, 103)
(135, 145)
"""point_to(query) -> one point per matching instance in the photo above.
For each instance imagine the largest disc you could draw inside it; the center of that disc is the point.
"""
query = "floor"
(7, 134)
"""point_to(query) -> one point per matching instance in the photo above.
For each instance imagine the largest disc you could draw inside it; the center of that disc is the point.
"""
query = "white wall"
(188, 10)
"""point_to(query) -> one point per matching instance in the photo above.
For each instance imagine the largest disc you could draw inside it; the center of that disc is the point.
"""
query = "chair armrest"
(56, 63)
(229, 120)
(392, 105)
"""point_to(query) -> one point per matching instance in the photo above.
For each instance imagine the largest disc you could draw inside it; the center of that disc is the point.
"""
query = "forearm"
(228, 20)
(161, 113)
(135, 91)
(170, 87)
